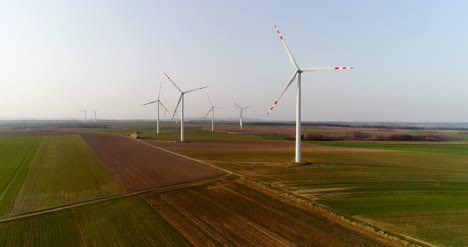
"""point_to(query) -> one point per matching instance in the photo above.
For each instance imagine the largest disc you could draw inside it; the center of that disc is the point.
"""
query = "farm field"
(32, 133)
(15, 157)
(230, 212)
(457, 148)
(138, 166)
(64, 170)
(412, 190)
(126, 221)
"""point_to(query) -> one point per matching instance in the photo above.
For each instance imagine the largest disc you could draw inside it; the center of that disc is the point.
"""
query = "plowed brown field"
(138, 166)
(233, 213)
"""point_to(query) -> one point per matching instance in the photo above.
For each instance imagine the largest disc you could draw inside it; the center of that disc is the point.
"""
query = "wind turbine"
(297, 72)
(181, 99)
(177, 117)
(95, 119)
(241, 113)
(84, 115)
(159, 104)
(212, 110)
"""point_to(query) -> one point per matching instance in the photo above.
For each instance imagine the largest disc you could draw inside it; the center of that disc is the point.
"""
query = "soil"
(138, 166)
(226, 145)
(231, 212)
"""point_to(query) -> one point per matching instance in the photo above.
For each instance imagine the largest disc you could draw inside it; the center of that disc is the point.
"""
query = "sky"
(58, 58)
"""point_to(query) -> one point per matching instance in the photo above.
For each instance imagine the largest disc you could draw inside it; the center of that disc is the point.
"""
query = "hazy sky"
(60, 57)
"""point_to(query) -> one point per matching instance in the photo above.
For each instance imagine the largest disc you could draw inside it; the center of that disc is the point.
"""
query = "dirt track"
(227, 145)
(138, 166)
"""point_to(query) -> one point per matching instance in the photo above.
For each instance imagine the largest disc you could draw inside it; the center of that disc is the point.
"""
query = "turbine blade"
(291, 58)
(284, 90)
(211, 102)
(160, 87)
(193, 90)
(173, 83)
(177, 106)
(209, 111)
(310, 69)
(165, 109)
(237, 105)
(152, 102)
(248, 106)
(218, 107)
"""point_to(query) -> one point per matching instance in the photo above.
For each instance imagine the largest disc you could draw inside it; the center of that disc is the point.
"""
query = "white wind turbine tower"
(181, 99)
(95, 119)
(297, 72)
(241, 113)
(212, 110)
(177, 117)
(159, 104)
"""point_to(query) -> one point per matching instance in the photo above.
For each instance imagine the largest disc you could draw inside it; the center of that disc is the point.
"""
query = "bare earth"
(233, 213)
(243, 146)
(226, 145)
(138, 166)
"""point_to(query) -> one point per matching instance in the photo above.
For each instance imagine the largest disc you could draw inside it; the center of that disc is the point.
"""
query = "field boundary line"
(187, 157)
(174, 153)
(351, 221)
(406, 237)
(108, 198)
(4, 191)
(390, 235)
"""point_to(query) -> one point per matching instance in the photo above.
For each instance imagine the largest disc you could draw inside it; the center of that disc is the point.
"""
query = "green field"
(44, 172)
(192, 135)
(15, 157)
(409, 189)
(119, 222)
(414, 189)
(200, 135)
(433, 148)
(64, 170)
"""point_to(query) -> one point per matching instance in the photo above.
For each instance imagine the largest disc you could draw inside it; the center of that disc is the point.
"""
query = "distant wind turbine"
(298, 72)
(84, 115)
(177, 116)
(159, 104)
(95, 119)
(181, 99)
(241, 113)
(212, 110)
